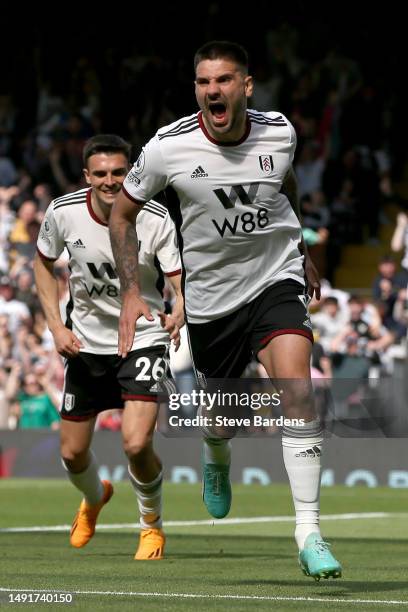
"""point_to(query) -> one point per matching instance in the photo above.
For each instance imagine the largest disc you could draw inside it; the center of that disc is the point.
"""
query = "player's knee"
(298, 400)
(73, 456)
(138, 448)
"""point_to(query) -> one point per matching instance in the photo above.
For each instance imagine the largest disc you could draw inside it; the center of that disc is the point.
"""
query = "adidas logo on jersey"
(78, 244)
(307, 323)
(310, 452)
(199, 172)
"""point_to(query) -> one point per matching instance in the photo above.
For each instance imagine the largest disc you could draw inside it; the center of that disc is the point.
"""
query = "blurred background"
(337, 75)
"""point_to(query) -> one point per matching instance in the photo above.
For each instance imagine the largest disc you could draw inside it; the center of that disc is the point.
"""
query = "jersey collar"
(91, 210)
(233, 143)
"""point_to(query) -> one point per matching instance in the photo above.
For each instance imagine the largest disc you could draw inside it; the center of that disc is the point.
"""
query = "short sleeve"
(50, 244)
(293, 141)
(167, 250)
(148, 174)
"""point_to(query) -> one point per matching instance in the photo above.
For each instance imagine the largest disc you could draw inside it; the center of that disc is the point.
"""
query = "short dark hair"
(387, 259)
(216, 49)
(106, 143)
(331, 299)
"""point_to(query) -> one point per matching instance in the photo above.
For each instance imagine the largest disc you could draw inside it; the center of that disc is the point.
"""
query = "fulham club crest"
(139, 164)
(266, 163)
(69, 401)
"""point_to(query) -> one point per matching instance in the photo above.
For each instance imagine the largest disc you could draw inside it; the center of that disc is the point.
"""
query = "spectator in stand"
(43, 196)
(7, 120)
(309, 168)
(315, 213)
(316, 219)
(9, 385)
(386, 286)
(23, 235)
(17, 311)
(363, 335)
(328, 290)
(267, 84)
(6, 340)
(7, 219)
(37, 403)
(8, 171)
(25, 290)
(329, 322)
(360, 168)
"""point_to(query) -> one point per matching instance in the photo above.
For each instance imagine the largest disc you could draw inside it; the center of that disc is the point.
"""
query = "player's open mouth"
(218, 111)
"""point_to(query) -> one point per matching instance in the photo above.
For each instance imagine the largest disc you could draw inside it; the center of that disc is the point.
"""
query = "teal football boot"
(216, 489)
(316, 559)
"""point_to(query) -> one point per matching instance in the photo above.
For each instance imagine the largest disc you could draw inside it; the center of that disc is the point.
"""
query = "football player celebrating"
(96, 378)
(247, 270)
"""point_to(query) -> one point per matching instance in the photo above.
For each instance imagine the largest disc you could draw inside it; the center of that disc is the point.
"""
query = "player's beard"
(233, 129)
(234, 122)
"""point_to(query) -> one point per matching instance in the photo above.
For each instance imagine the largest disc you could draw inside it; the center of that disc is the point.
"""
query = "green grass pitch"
(221, 567)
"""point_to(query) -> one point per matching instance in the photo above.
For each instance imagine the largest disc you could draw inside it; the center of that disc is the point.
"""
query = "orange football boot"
(151, 545)
(84, 523)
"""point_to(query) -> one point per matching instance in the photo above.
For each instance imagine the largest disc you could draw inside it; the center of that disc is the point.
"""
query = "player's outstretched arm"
(122, 228)
(66, 342)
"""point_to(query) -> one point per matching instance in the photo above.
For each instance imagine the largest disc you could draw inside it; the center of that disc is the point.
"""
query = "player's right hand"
(66, 342)
(133, 307)
(169, 323)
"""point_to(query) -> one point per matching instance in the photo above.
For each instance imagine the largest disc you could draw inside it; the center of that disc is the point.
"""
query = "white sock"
(302, 458)
(88, 481)
(149, 500)
(217, 450)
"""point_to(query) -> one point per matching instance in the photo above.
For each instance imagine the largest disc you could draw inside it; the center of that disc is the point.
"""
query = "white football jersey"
(240, 235)
(94, 307)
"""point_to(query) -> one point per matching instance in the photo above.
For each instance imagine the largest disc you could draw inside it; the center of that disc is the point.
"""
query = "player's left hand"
(312, 278)
(133, 307)
(169, 324)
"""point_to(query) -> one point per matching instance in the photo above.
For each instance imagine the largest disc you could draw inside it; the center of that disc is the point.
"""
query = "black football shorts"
(94, 383)
(224, 347)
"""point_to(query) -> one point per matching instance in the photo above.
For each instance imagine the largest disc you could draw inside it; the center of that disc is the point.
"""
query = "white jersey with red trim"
(94, 307)
(240, 234)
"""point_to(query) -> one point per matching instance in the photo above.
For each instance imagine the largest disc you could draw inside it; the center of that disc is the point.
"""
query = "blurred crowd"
(348, 160)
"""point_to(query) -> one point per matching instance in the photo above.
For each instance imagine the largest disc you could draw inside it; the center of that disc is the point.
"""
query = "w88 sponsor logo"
(247, 222)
